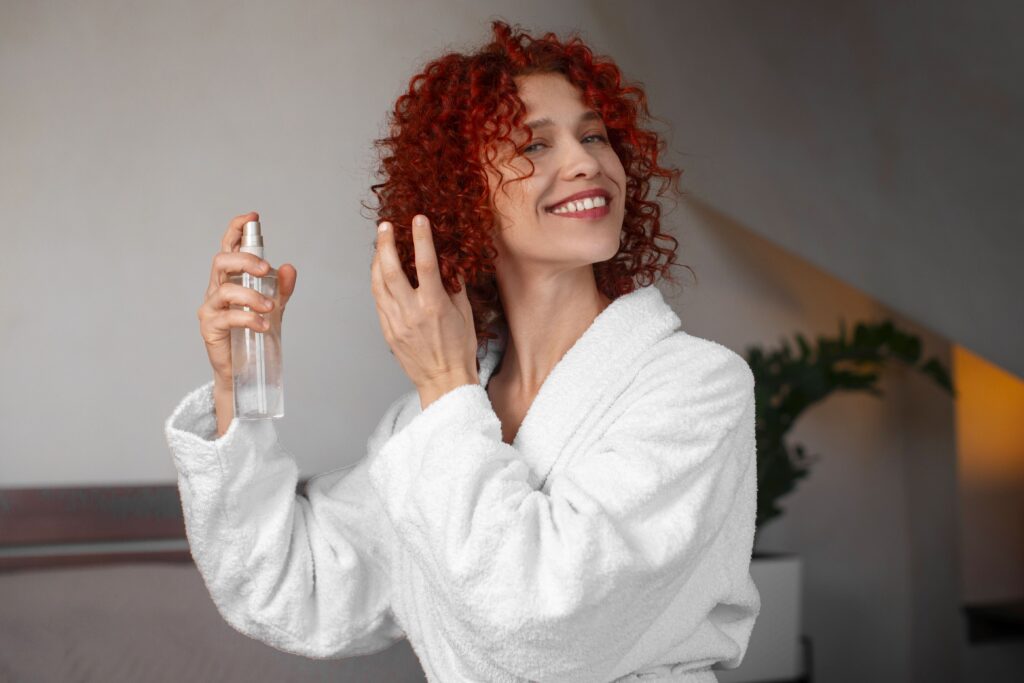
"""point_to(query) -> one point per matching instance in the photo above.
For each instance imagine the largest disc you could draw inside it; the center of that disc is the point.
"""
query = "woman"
(573, 503)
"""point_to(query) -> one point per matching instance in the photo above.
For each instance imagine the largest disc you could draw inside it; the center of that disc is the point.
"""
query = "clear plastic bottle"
(256, 356)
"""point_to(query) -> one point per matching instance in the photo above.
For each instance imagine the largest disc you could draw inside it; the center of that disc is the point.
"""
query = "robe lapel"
(586, 374)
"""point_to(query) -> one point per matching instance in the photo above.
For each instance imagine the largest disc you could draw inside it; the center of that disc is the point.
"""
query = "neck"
(545, 318)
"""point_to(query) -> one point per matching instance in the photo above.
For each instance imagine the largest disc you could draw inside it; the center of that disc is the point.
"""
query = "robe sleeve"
(561, 585)
(306, 574)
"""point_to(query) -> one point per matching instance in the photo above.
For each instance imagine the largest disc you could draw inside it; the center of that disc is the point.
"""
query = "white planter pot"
(774, 653)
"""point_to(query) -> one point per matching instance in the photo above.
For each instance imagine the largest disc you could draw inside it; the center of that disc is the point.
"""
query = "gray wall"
(829, 177)
(880, 141)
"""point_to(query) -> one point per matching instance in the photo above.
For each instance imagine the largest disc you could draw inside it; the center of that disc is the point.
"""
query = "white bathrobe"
(613, 537)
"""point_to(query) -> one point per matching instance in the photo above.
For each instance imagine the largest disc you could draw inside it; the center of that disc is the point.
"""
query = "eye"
(529, 148)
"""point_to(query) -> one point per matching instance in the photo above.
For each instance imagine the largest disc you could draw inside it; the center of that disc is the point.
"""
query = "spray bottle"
(256, 356)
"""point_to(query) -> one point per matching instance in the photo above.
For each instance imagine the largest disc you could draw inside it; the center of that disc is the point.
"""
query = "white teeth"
(575, 207)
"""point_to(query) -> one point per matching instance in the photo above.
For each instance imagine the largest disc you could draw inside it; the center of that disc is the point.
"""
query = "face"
(571, 153)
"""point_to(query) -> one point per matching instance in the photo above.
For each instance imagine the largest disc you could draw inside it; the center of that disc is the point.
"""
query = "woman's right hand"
(216, 317)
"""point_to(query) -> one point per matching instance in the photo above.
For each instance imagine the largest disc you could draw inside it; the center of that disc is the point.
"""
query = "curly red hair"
(433, 163)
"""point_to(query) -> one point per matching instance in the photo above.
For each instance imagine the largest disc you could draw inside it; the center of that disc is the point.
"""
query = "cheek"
(507, 200)
(517, 196)
(531, 197)
(521, 199)
(616, 170)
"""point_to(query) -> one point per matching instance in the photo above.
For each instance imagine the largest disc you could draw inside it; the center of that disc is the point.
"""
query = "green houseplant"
(787, 383)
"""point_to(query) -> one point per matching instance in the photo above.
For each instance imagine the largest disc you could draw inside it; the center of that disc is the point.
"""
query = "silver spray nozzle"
(251, 235)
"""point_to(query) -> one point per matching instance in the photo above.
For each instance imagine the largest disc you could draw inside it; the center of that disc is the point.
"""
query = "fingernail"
(420, 220)
(382, 227)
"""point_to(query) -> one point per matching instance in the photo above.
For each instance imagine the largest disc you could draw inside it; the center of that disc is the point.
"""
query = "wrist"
(435, 390)
(223, 403)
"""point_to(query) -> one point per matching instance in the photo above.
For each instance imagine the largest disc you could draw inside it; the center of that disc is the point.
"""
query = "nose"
(579, 162)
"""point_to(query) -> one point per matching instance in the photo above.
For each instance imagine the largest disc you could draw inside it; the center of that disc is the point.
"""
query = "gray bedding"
(150, 622)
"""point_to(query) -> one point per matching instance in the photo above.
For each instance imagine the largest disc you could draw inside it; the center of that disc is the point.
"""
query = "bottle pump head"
(252, 239)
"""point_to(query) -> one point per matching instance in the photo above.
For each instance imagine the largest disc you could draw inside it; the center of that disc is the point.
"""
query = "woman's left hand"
(430, 331)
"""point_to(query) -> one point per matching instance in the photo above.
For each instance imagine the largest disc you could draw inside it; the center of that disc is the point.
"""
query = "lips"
(593, 192)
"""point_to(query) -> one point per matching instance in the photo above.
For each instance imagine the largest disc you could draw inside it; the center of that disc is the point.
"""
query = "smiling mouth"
(595, 212)
(591, 207)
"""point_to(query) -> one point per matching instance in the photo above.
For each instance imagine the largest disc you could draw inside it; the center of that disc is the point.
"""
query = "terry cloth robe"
(613, 537)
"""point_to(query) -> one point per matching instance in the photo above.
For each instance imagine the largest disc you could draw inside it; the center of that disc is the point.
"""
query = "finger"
(232, 239)
(230, 294)
(223, 321)
(427, 270)
(226, 263)
(382, 296)
(390, 270)
(385, 305)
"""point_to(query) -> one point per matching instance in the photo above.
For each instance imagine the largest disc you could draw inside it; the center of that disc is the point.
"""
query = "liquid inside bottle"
(256, 356)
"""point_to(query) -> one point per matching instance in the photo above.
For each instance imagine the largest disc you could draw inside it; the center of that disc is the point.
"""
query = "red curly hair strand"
(432, 162)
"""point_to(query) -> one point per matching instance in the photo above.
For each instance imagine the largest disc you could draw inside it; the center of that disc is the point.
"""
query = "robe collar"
(587, 378)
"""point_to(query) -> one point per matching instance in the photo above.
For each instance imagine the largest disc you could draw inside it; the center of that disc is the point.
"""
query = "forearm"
(223, 403)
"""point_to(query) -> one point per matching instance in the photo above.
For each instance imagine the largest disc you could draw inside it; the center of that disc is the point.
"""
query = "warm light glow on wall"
(989, 421)
(990, 462)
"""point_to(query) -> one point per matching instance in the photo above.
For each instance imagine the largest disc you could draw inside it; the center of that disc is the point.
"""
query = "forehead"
(548, 94)
(551, 100)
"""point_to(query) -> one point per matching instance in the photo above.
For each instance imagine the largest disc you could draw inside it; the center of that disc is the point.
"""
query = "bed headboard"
(50, 527)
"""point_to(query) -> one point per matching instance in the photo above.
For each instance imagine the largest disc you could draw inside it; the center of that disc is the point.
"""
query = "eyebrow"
(590, 115)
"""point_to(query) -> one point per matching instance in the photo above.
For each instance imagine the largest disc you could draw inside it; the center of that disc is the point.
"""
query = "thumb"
(286, 276)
